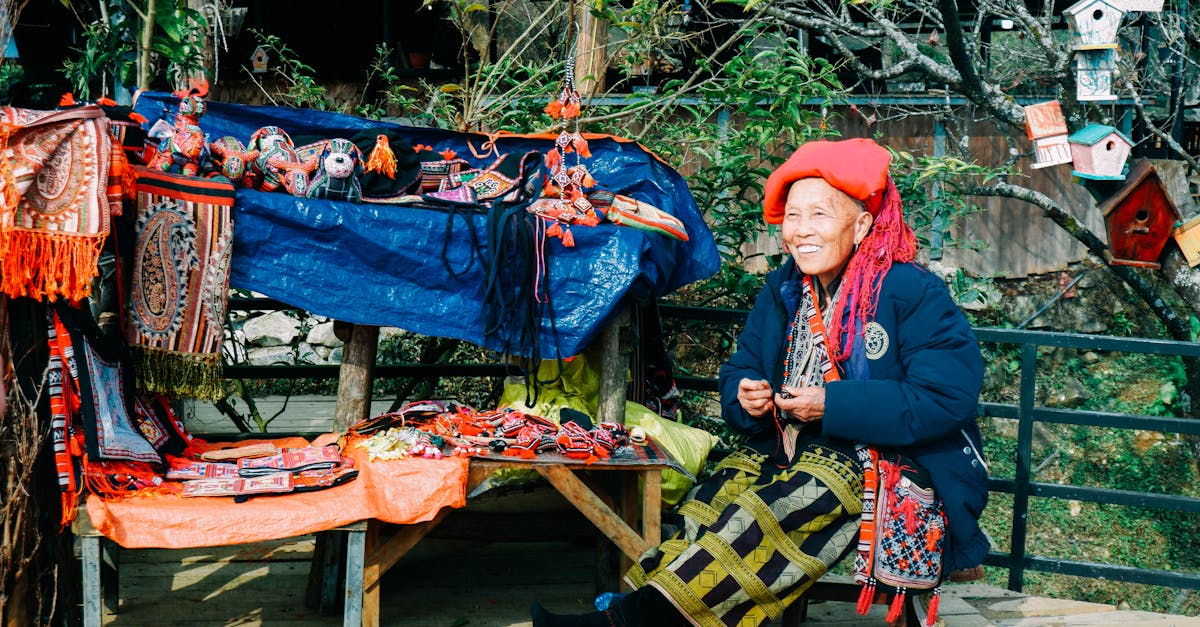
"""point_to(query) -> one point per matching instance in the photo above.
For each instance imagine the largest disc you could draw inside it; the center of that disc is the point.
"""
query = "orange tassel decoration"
(897, 607)
(865, 597)
(568, 240)
(932, 611)
(382, 159)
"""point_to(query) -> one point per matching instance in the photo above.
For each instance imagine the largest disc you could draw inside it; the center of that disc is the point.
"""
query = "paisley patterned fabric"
(178, 293)
(54, 207)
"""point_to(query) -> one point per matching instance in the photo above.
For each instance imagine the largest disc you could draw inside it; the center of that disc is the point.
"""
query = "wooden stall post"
(354, 378)
(614, 367)
(591, 52)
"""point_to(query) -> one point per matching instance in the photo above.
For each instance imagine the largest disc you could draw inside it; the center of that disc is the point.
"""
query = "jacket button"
(966, 450)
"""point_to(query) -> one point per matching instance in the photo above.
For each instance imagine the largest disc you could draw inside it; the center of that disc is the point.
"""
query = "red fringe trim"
(38, 264)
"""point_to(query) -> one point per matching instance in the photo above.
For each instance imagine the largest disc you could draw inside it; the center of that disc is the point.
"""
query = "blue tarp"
(386, 265)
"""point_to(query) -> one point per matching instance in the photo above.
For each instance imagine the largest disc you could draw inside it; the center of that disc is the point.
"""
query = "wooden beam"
(614, 369)
(354, 379)
(386, 555)
(607, 521)
(591, 52)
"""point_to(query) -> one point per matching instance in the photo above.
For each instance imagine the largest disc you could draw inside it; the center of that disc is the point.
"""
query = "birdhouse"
(1094, 71)
(1099, 152)
(1047, 129)
(1094, 23)
(1139, 218)
(1187, 236)
(259, 60)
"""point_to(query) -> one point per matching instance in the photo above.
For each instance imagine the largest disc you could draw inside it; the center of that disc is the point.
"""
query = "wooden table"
(615, 517)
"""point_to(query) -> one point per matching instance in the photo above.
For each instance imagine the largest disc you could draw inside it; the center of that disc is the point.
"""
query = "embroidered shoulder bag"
(902, 532)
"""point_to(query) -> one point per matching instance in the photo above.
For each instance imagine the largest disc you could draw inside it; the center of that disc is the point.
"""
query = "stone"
(335, 355)
(1089, 357)
(306, 355)
(1072, 394)
(233, 352)
(322, 335)
(274, 329)
(271, 356)
(322, 351)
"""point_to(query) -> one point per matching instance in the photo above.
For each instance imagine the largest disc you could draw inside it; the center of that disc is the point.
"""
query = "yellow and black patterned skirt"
(753, 542)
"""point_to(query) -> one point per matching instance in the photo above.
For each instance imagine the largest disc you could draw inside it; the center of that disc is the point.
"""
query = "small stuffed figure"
(185, 146)
(339, 167)
(234, 160)
(277, 162)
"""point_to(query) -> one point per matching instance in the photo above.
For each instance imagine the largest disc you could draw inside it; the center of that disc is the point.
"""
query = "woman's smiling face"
(821, 226)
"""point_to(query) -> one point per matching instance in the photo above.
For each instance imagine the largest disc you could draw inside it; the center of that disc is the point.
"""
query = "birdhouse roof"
(1084, 5)
(1093, 133)
(1142, 171)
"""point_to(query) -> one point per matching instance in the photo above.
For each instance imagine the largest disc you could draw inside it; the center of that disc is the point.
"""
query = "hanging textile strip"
(180, 284)
(55, 209)
(62, 402)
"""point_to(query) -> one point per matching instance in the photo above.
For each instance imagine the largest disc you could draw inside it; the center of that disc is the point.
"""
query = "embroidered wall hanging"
(180, 285)
(54, 209)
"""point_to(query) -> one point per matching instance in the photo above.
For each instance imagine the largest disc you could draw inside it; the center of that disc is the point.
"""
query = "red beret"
(858, 167)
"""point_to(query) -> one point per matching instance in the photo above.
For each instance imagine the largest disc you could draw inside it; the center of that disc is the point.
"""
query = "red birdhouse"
(1139, 218)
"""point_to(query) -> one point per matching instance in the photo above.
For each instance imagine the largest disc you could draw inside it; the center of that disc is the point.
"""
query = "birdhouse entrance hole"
(1098, 14)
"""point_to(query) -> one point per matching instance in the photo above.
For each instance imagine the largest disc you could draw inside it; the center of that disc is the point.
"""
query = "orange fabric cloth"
(400, 491)
(858, 167)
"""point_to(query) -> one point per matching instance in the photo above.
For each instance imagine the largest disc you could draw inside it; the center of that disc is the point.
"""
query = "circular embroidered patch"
(875, 338)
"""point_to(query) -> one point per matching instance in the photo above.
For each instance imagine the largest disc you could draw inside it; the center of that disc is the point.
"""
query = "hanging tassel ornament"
(897, 606)
(382, 159)
(865, 597)
(932, 610)
(565, 182)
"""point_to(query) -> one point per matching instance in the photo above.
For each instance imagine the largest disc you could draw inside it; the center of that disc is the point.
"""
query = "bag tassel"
(931, 612)
(865, 597)
(382, 159)
(897, 606)
(568, 240)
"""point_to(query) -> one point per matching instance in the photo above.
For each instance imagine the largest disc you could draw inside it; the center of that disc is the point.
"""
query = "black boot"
(645, 607)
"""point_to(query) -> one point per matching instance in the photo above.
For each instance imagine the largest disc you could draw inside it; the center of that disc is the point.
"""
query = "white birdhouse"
(1094, 23)
(1094, 72)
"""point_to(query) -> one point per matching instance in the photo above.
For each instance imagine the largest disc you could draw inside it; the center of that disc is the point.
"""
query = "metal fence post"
(1020, 515)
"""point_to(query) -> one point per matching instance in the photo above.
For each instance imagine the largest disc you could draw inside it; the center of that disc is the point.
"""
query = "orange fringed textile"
(48, 265)
(382, 159)
(54, 166)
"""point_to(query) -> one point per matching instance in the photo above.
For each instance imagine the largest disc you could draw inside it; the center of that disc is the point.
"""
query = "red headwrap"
(859, 168)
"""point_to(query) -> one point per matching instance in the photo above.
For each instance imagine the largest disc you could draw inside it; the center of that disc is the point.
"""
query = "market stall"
(488, 239)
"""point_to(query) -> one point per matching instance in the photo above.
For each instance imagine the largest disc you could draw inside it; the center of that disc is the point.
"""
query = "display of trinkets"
(427, 428)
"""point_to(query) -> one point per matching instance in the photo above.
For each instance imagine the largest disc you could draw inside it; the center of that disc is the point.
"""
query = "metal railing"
(1025, 411)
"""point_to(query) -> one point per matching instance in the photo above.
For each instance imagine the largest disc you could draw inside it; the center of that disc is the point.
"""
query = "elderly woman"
(848, 343)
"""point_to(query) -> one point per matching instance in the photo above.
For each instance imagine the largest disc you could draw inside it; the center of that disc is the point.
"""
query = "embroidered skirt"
(754, 541)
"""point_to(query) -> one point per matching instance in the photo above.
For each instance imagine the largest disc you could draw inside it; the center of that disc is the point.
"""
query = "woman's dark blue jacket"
(916, 390)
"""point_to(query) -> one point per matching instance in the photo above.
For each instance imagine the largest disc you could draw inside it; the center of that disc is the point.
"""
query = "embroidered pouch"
(903, 530)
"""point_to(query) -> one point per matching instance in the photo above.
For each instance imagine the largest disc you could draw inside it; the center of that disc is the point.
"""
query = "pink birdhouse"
(1140, 218)
(1099, 152)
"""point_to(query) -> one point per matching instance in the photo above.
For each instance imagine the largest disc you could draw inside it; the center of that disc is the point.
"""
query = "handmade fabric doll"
(234, 160)
(185, 146)
(277, 162)
(339, 167)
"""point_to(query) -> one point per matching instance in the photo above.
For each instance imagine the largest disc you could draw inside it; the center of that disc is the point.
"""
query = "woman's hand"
(755, 396)
(803, 404)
